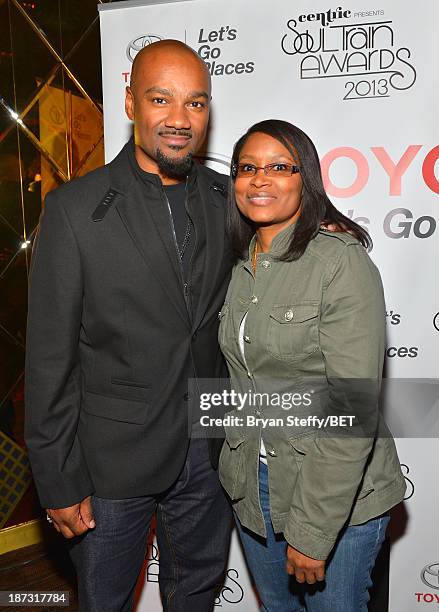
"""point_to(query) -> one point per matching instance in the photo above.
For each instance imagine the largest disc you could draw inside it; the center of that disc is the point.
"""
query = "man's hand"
(74, 520)
(305, 569)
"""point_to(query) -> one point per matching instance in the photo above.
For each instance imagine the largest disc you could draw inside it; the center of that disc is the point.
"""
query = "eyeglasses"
(273, 170)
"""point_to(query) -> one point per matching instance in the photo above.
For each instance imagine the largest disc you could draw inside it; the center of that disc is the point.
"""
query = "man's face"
(169, 104)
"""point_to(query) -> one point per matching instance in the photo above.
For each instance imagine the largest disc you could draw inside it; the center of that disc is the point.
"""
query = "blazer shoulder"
(83, 192)
(212, 175)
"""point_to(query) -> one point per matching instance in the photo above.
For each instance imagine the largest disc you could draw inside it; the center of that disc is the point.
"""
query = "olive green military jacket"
(314, 340)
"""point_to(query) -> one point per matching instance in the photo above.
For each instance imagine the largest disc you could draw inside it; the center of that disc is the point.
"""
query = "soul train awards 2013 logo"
(365, 53)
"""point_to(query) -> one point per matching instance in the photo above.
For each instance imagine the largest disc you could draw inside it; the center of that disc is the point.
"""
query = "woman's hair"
(316, 206)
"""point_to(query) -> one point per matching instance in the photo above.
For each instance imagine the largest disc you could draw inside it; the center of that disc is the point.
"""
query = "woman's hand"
(305, 569)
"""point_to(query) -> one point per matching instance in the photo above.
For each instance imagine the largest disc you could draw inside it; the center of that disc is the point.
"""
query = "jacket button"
(266, 264)
(289, 315)
(254, 299)
(272, 452)
(186, 397)
(247, 339)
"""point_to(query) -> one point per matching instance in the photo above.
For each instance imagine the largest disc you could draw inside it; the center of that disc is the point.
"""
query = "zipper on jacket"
(185, 285)
(194, 250)
(174, 235)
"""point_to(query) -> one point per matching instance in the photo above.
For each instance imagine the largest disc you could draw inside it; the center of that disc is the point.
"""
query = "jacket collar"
(279, 244)
(124, 170)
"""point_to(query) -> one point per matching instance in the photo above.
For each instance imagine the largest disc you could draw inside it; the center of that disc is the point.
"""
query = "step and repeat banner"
(361, 79)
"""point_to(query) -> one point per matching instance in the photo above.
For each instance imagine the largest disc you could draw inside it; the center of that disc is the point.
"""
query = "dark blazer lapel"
(213, 207)
(148, 225)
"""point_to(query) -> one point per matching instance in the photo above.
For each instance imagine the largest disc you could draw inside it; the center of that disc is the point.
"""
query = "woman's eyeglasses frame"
(269, 170)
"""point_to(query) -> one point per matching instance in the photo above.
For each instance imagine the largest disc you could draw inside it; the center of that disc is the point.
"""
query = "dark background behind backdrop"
(50, 131)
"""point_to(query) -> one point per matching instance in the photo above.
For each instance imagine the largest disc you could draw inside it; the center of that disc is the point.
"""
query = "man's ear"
(129, 103)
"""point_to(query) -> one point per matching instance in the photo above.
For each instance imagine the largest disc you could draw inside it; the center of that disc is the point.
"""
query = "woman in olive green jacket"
(308, 463)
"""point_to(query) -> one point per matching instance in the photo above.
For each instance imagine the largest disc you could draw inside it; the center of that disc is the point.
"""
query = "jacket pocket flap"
(294, 313)
(130, 383)
(114, 408)
(224, 310)
(302, 444)
(234, 438)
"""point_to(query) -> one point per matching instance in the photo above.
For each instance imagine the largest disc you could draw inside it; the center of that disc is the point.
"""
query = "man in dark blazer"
(129, 272)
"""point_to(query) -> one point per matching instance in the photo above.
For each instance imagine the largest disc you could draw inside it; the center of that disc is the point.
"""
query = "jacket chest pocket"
(293, 331)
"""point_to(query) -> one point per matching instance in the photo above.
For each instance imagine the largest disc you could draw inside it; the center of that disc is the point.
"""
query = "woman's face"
(268, 200)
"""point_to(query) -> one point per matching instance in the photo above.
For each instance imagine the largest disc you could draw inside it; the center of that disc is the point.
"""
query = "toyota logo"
(430, 575)
(137, 44)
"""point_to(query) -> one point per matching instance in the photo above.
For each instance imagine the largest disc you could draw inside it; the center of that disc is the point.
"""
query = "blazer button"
(272, 452)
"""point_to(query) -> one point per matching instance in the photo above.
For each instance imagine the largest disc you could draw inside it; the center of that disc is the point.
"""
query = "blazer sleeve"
(352, 336)
(52, 373)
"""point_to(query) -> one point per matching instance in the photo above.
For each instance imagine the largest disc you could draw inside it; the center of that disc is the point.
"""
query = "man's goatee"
(174, 168)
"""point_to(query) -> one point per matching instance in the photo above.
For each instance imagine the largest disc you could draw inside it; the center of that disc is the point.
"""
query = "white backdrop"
(362, 81)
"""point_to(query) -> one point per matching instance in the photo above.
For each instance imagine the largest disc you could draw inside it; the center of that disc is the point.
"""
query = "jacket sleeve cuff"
(57, 490)
(314, 544)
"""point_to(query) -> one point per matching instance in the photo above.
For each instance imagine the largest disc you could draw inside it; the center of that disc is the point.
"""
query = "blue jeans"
(348, 569)
(193, 530)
